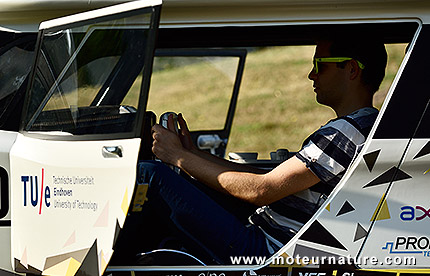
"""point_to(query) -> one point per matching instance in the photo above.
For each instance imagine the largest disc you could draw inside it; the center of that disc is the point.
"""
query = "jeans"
(198, 216)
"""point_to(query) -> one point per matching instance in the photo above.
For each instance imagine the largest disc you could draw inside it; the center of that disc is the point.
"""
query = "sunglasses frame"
(334, 59)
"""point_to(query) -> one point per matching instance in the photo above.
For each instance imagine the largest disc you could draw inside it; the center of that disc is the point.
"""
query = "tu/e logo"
(35, 194)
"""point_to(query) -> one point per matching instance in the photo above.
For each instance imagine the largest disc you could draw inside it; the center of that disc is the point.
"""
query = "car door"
(73, 165)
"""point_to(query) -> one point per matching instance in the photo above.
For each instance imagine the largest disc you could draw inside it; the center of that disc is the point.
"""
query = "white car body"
(67, 221)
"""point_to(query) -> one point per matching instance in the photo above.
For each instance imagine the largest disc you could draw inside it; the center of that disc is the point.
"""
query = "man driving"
(347, 72)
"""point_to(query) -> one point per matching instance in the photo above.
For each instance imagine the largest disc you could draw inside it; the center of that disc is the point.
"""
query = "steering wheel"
(164, 118)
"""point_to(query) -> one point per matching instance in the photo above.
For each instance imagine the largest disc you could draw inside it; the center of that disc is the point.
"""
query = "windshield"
(83, 75)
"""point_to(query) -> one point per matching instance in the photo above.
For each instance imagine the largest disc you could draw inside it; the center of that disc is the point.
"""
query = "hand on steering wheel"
(169, 120)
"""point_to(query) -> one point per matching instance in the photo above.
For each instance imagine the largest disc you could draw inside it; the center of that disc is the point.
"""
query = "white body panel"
(406, 233)
(88, 198)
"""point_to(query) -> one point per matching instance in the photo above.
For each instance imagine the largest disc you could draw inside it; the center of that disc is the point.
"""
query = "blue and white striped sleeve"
(330, 150)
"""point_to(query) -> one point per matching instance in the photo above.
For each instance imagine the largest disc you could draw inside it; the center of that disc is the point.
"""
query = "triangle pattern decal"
(102, 220)
(125, 204)
(346, 208)
(70, 240)
(370, 159)
(90, 265)
(103, 262)
(23, 260)
(67, 268)
(384, 212)
(316, 233)
(360, 232)
(54, 260)
(424, 151)
(117, 230)
(29, 269)
(393, 174)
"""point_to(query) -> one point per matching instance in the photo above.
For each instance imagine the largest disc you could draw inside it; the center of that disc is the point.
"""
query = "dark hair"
(366, 49)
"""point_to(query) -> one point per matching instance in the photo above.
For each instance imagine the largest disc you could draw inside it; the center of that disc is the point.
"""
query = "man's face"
(329, 83)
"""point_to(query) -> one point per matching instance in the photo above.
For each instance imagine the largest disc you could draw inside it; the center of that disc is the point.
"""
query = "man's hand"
(184, 134)
(166, 146)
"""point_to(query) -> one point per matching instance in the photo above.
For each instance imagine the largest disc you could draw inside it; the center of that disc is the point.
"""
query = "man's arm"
(288, 178)
(260, 189)
(226, 163)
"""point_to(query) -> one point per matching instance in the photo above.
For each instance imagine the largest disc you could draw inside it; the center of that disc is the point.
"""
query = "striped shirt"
(327, 153)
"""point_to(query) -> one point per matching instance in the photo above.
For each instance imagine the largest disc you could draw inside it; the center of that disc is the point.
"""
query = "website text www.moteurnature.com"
(323, 260)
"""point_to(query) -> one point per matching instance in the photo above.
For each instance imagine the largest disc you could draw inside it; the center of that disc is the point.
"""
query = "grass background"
(276, 107)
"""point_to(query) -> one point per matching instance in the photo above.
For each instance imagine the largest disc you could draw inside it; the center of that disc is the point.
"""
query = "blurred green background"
(276, 107)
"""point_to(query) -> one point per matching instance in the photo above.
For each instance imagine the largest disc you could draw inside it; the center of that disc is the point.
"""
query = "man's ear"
(354, 69)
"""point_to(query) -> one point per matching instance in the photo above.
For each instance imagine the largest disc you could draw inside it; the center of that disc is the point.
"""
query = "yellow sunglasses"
(333, 59)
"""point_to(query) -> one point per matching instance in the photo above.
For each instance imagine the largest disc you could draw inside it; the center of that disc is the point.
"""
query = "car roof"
(25, 15)
(245, 12)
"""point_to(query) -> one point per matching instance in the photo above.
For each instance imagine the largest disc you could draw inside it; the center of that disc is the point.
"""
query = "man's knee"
(148, 170)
